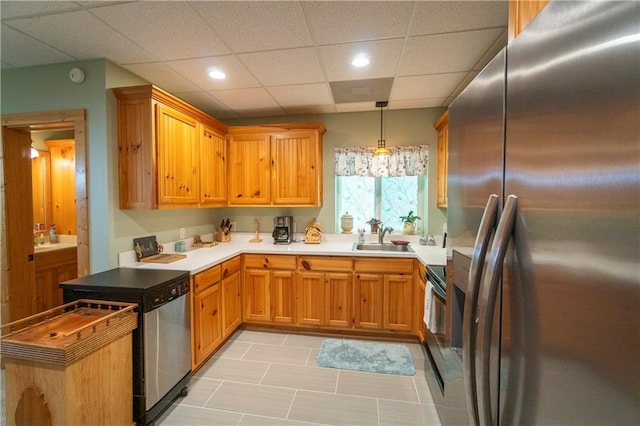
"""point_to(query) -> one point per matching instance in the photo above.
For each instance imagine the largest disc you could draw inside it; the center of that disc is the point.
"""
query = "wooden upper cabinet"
(63, 184)
(294, 168)
(249, 169)
(442, 127)
(521, 12)
(213, 168)
(159, 149)
(177, 160)
(276, 165)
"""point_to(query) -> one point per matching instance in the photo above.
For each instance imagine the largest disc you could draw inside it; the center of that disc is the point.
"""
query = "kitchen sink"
(383, 247)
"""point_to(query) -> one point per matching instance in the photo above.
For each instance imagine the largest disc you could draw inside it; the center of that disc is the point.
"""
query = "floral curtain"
(403, 161)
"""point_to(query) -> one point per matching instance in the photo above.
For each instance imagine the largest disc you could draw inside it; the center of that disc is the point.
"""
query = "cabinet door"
(442, 126)
(249, 169)
(295, 168)
(312, 303)
(368, 293)
(398, 297)
(257, 299)
(207, 323)
(63, 184)
(231, 303)
(177, 157)
(521, 12)
(339, 299)
(283, 297)
(213, 169)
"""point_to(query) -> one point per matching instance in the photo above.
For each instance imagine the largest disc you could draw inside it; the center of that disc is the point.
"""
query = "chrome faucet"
(382, 232)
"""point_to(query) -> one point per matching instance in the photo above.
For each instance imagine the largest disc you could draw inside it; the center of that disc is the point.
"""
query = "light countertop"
(200, 258)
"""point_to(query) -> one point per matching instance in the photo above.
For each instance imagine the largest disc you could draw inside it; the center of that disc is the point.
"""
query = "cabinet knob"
(306, 265)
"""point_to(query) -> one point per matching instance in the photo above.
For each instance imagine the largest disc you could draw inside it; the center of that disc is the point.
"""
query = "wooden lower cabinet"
(398, 308)
(231, 296)
(206, 314)
(383, 294)
(53, 267)
(368, 300)
(325, 299)
(325, 291)
(269, 289)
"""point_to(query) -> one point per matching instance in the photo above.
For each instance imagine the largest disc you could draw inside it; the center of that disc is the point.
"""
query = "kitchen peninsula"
(322, 288)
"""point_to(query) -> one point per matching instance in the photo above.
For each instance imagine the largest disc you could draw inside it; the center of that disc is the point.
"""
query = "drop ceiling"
(280, 58)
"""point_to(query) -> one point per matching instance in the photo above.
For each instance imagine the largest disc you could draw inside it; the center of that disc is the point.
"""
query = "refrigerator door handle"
(470, 318)
(487, 303)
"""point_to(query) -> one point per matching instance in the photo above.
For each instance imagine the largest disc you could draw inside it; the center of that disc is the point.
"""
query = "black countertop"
(125, 280)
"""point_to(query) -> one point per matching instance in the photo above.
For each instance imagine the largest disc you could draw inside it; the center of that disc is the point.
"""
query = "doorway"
(17, 261)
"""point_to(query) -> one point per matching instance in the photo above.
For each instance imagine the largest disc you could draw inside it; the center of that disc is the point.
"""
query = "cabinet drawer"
(383, 265)
(272, 261)
(205, 279)
(325, 263)
(230, 266)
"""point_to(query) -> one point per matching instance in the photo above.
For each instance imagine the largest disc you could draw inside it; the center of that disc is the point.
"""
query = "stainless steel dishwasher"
(166, 328)
(162, 342)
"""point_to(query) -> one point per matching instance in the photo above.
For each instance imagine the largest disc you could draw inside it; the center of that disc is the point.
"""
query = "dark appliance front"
(161, 343)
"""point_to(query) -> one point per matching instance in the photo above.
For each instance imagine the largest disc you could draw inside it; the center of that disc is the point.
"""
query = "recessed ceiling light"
(217, 74)
(360, 61)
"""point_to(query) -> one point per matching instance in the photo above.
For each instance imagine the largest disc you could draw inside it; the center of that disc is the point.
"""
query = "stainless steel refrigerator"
(544, 198)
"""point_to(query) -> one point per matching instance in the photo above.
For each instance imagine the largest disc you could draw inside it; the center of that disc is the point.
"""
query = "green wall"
(47, 88)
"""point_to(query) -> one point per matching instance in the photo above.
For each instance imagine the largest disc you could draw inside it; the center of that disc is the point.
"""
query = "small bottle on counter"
(53, 235)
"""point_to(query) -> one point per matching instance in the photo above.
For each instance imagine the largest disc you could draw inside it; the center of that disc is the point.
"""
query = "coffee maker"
(282, 230)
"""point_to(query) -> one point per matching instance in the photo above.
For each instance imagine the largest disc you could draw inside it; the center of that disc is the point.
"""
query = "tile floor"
(263, 378)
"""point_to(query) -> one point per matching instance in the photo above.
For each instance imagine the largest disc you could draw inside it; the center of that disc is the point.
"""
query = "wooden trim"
(71, 119)
(153, 92)
(274, 128)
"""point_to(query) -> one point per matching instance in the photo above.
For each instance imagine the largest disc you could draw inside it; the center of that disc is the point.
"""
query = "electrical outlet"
(233, 227)
(182, 233)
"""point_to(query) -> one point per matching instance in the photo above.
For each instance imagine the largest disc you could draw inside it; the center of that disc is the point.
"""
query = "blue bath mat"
(388, 358)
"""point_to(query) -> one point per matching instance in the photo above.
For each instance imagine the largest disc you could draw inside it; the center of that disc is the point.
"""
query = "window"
(367, 187)
(385, 198)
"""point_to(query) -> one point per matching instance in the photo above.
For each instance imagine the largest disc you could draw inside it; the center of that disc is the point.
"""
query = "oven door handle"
(487, 303)
(469, 327)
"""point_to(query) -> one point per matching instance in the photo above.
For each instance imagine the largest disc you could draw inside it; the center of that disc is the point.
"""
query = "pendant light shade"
(381, 150)
(34, 153)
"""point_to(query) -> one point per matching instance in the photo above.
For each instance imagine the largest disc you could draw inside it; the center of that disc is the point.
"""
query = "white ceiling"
(279, 57)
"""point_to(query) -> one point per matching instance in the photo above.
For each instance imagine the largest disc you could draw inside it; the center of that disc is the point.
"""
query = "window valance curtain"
(403, 161)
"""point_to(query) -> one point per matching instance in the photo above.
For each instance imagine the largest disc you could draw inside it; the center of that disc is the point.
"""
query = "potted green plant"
(375, 224)
(410, 222)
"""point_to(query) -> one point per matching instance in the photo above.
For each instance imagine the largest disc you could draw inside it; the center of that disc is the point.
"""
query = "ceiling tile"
(291, 66)
(208, 104)
(245, 99)
(425, 86)
(431, 54)
(356, 106)
(372, 90)
(349, 21)
(162, 76)
(81, 35)
(19, 50)
(164, 29)
(16, 9)
(197, 71)
(384, 56)
(301, 95)
(314, 109)
(249, 26)
(436, 17)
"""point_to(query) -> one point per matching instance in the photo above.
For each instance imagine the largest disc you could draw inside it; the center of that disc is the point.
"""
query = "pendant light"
(381, 151)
